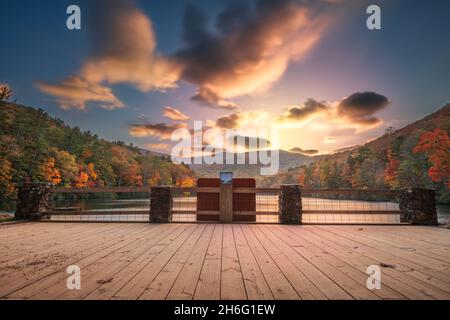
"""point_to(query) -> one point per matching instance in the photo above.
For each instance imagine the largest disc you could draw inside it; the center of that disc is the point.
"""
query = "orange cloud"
(162, 131)
(249, 51)
(164, 147)
(76, 92)
(175, 114)
(124, 51)
(252, 49)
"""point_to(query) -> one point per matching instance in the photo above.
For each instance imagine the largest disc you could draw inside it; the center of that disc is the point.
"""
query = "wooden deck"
(215, 261)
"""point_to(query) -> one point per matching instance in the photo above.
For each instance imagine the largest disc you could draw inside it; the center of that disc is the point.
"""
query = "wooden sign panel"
(244, 204)
(208, 204)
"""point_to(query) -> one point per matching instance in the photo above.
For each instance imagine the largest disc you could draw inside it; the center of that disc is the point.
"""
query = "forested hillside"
(36, 147)
(415, 156)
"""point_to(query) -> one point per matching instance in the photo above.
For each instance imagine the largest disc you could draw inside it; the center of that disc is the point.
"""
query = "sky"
(138, 70)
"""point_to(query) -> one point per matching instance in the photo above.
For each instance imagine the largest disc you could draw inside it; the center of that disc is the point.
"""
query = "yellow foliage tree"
(50, 172)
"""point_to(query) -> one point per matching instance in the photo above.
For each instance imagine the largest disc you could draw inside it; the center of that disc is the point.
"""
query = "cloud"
(208, 98)
(158, 146)
(355, 112)
(175, 114)
(307, 111)
(231, 121)
(76, 92)
(251, 48)
(360, 107)
(244, 120)
(307, 152)
(162, 131)
(124, 48)
(247, 52)
(123, 51)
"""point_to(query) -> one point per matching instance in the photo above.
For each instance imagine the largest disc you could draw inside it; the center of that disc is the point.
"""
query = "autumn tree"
(185, 182)
(436, 145)
(50, 172)
(67, 166)
(6, 178)
(390, 173)
(5, 93)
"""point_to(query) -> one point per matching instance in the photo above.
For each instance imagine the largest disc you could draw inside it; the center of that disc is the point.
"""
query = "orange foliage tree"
(390, 174)
(50, 172)
(86, 177)
(185, 182)
(436, 145)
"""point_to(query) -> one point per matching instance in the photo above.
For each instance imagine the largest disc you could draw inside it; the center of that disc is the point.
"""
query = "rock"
(418, 206)
(33, 201)
(290, 204)
(161, 203)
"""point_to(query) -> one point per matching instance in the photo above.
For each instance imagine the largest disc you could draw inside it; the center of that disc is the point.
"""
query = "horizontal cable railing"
(350, 206)
(132, 204)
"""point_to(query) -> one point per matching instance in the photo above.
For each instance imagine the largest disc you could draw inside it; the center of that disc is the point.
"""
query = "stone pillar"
(33, 201)
(418, 206)
(290, 204)
(161, 203)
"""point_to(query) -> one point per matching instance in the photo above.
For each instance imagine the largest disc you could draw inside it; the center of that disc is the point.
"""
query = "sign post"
(226, 197)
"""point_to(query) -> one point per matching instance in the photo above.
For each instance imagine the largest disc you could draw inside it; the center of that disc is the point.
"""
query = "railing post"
(290, 204)
(418, 206)
(33, 201)
(161, 203)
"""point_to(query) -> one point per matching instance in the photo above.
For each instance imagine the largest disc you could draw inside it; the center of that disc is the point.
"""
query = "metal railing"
(131, 204)
(350, 207)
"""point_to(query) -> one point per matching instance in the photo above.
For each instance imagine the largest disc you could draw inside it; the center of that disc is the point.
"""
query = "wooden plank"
(160, 286)
(304, 287)
(232, 287)
(209, 282)
(280, 287)
(254, 281)
(408, 267)
(330, 266)
(108, 289)
(215, 261)
(35, 241)
(104, 270)
(97, 268)
(72, 255)
(392, 277)
(391, 287)
(186, 283)
(136, 286)
(328, 287)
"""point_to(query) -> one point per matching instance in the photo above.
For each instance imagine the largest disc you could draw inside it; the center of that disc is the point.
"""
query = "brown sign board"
(208, 204)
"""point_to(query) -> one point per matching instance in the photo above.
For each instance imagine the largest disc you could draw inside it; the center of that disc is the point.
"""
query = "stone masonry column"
(418, 206)
(33, 201)
(161, 203)
(290, 204)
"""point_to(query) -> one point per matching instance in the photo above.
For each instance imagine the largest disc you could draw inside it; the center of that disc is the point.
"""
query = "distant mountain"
(287, 160)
